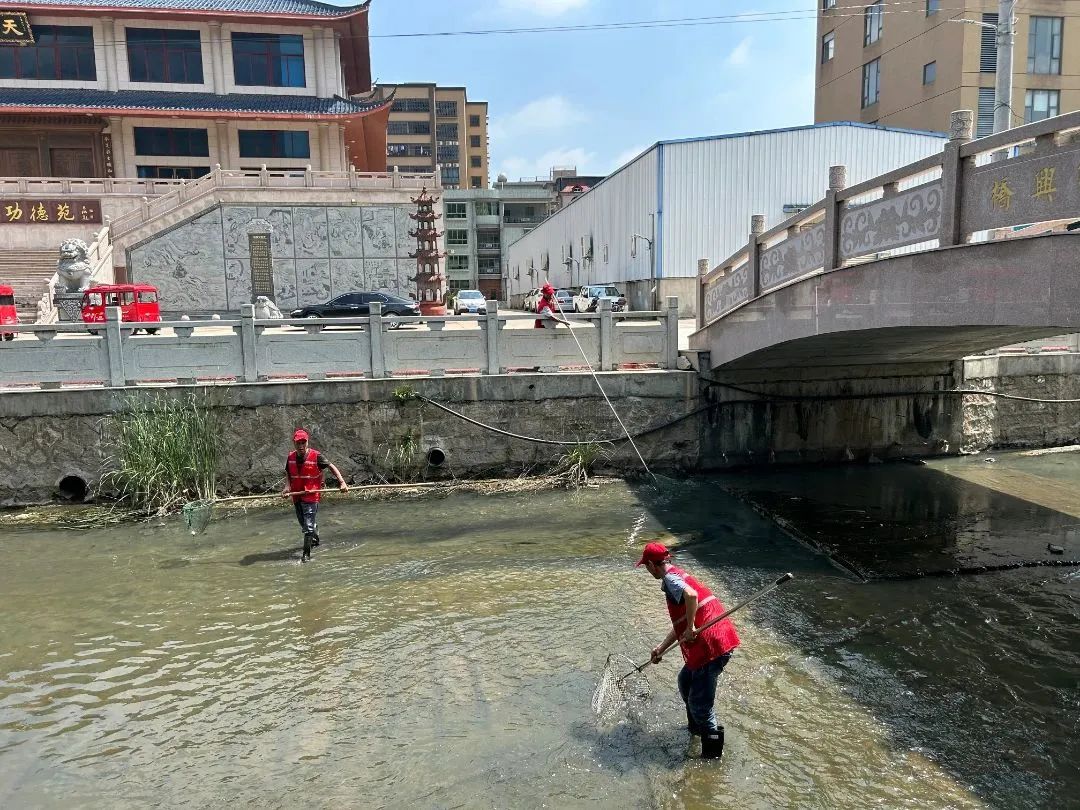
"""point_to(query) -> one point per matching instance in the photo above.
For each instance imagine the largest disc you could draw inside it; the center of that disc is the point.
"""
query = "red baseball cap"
(654, 552)
(547, 289)
(300, 435)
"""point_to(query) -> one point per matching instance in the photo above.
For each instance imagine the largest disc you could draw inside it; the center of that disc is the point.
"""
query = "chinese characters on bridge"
(52, 212)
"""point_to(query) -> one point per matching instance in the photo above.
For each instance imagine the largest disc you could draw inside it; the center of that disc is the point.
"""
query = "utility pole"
(1006, 36)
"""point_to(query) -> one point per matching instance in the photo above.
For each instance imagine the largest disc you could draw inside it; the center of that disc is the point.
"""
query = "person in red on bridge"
(690, 605)
(304, 480)
(548, 310)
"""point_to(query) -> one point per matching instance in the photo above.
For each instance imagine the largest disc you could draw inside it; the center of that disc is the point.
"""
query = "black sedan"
(358, 304)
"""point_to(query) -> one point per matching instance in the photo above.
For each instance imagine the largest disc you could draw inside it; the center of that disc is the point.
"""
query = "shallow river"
(443, 653)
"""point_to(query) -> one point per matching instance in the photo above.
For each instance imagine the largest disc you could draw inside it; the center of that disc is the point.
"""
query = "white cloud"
(740, 54)
(548, 114)
(517, 167)
(625, 156)
(546, 8)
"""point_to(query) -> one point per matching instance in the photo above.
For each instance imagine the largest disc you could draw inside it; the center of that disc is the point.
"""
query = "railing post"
(248, 347)
(395, 181)
(753, 251)
(114, 347)
(607, 336)
(378, 361)
(702, 271)
(264, 176)
(671, 330)
(961, 126)
(309, 178)
(833, 209)
(491, 335)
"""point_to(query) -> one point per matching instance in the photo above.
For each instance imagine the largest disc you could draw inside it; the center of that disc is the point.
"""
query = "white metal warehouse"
(693, 199)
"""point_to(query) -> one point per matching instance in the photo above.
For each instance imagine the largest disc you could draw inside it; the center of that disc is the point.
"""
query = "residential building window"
(932, 7)
(408, 128)
(451, 176)
(59, 53)
(274, 143)
(184, 142)
(474, 161)
(488, 266)
(1044, 45)
(988, 44)
(455, 210)
(474, 120)
(487, 208)
(458, 284)
(984, 123)
(268, 60)
(871, 82)
(828, 47)
(474, 141)
(476, 182)
(171, 172)
(457, 262)
(164, 55)
(413, 105)
(457, 237)
(929, 73)
(873, 19)
(446, 109)
(827, 4)
(408, 150)
(1040, 104)
(446, 132)
(448, 154)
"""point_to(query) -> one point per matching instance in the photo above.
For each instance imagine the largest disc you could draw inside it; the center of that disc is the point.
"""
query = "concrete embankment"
(54, 440)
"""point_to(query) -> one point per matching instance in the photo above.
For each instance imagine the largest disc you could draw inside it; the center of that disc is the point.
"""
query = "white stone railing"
(226, 179)
(99, 256)
(90, 186)
(250, 350)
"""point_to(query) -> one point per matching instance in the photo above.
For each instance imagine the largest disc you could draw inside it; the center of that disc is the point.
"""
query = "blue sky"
(595, 99)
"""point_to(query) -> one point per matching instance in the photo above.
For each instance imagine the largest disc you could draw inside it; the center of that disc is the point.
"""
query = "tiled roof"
(307, 8)
(68, 99)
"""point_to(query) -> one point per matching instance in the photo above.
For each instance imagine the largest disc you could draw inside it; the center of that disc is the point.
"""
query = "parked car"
(8, 315)
(532, 298)
(358, 305)
(588, 298)
(565, 300)
(138, 304)
(471, 302)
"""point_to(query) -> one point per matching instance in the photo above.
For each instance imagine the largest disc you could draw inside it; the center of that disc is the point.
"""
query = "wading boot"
(306, 554)
(712, 744)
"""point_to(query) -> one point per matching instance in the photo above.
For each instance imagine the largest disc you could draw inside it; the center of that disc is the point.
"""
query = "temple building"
(168, 89)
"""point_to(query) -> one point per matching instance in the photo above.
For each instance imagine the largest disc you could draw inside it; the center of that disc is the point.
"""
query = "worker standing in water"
(690, 605)
(304, 480)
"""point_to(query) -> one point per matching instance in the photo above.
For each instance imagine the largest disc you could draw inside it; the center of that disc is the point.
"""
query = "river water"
(443, 653)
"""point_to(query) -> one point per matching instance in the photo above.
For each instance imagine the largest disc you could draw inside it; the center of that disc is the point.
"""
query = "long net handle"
(767, 589)
(333, 489)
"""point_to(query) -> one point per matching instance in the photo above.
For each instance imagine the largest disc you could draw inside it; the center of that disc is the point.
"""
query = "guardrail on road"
(250, 350)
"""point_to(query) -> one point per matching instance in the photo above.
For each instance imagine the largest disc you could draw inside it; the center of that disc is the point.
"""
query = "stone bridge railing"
(1012, 180)
(250, 350)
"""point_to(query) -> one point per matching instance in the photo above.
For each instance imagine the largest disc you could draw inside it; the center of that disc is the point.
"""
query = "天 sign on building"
(15, 28)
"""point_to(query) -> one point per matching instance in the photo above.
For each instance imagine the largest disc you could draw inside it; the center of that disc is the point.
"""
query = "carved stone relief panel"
(345, 233)
(724, 294)
(346, 275)
(237, 283)
(285, 280)
(186, 265)
(281, 238)
(313, 281)
(310, 232)
(381, 275)
(796, 256)
(235, 222)
(379, 234)
(904, 219)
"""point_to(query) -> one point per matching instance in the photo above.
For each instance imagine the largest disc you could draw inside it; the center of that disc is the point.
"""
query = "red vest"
(308, 478)
(541, 305)
(719, 639)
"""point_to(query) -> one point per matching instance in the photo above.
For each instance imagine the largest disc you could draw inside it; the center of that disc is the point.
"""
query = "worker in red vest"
(304, 478)
(548, 310)
(691, 605)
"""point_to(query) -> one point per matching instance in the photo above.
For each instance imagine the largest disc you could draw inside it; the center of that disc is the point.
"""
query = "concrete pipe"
(436, 457)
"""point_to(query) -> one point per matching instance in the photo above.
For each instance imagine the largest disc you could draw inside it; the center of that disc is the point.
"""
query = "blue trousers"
(698, 690)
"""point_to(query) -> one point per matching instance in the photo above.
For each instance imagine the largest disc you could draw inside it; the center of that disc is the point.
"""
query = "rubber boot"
(306, 555)
(712, 744)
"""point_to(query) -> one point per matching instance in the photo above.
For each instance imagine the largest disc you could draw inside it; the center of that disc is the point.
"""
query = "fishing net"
(197, 515)
(622, 687)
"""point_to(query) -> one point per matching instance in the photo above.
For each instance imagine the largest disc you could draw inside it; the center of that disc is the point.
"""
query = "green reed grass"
(167, 451)
(576, 464)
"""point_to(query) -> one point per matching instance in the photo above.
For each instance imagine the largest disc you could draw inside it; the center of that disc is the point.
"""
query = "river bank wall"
(52, 440)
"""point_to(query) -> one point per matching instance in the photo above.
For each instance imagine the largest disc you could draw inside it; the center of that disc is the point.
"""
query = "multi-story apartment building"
(438, 127)
(909, 64)
(169, 88)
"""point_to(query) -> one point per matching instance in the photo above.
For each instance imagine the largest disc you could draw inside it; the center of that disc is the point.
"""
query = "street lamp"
(652, 262)
(570, 261)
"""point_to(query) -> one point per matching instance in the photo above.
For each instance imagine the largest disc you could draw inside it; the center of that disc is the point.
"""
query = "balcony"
(488, 247)
(521, 219)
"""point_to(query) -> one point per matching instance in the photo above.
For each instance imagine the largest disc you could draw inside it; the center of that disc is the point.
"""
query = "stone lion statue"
(73, 270)
(266, 309)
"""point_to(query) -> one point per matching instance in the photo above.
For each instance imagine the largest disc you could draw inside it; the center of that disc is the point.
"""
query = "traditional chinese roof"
(188, 105)
(299, 8)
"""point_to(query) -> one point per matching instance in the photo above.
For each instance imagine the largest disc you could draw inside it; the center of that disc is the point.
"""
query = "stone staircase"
(28, 272)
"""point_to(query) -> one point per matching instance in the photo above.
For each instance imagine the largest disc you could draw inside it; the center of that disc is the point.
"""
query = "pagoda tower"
(430, 283)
